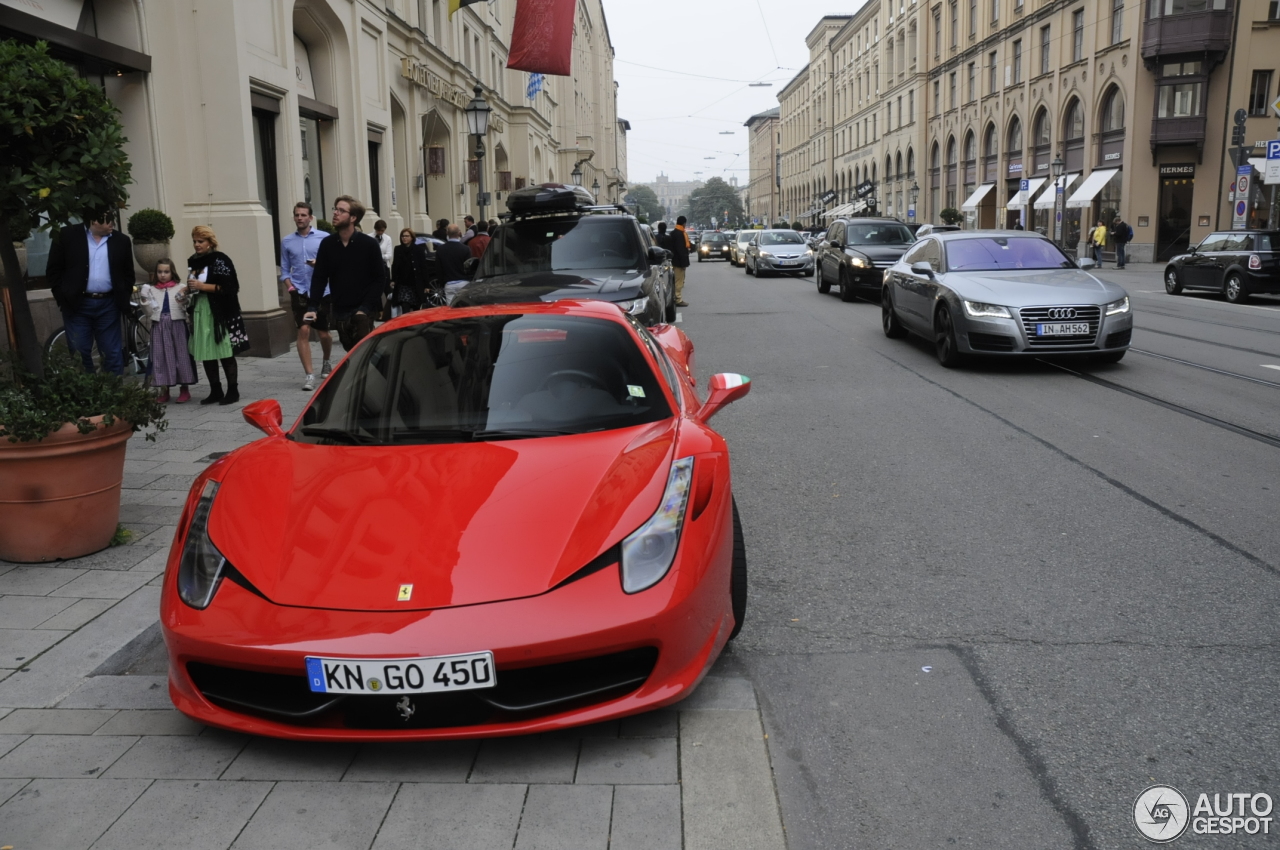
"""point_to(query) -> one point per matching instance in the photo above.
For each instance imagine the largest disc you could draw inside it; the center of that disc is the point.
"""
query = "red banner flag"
(542, 37)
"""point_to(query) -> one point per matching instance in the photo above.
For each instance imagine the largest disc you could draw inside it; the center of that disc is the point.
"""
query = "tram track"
(1208, 342)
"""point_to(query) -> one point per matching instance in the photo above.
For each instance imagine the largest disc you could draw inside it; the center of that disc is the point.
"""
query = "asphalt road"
(989, 607)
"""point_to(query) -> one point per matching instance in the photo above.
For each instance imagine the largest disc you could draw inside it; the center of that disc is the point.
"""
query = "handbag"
(238, 335)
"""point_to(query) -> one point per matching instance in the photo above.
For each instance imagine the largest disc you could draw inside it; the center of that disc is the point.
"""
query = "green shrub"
(324, 224)
(150, 226)
(951, 215)
(31, 408)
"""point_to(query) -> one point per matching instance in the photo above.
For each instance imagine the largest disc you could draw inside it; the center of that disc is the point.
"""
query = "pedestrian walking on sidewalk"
(349, 265)
(481, 240)
(217, 328)
(297, 257)
(678, 245)
(1122, 235)
(91, 274)
(450, 258)
(165, 301)
(410, 271)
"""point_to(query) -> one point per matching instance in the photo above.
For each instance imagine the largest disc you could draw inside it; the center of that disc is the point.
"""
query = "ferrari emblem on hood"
(406, 591)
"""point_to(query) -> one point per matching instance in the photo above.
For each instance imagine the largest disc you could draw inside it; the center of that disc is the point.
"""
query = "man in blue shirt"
(91, 274)
(297, 259)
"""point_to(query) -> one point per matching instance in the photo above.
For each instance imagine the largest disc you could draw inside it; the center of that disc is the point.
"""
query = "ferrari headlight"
(201, 567)
(648, 552)
(1121, 306)
(635, 306)
(979, 310)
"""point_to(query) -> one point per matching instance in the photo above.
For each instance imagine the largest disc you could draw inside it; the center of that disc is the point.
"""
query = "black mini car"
(558, 243)
(714, 246)
(1237, 263)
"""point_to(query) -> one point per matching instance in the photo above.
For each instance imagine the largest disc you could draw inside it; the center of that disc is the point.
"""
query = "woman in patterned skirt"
(217, 328)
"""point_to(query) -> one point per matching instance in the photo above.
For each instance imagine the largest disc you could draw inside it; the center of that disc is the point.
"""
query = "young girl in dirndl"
(166, 303)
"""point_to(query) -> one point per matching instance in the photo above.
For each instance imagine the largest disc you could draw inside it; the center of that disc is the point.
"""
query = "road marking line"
(679, 318)
(1269, 366)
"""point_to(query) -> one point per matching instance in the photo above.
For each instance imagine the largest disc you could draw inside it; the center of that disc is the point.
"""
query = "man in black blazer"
(91, 274)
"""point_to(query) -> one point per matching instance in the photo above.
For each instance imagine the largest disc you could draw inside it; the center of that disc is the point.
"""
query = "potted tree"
(951, 215)
(151, 231)
(62, 448)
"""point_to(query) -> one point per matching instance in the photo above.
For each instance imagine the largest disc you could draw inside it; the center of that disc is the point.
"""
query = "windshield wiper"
(432, 434)
(338, 434)
(517, 433)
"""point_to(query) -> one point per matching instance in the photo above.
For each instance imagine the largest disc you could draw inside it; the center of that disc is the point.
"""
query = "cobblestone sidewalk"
(92, 754)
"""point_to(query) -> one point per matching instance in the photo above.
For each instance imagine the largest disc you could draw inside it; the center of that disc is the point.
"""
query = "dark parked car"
(856, 253)
(560, 244)
(1236, 263)
(714, 246)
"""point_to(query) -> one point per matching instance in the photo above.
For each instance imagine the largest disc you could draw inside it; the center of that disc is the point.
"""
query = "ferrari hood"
(347, 527)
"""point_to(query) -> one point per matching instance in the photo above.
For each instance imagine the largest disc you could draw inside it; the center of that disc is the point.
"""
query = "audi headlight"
(648, 552)
(979, 310)
(635, 306)
(860, 262)
(1121, 306)
(200, 570)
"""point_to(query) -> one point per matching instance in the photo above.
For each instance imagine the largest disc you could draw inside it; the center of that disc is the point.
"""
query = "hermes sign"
(442, 89)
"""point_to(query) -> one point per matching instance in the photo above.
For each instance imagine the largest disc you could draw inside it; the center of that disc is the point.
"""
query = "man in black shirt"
(450, 258)
(351, 266)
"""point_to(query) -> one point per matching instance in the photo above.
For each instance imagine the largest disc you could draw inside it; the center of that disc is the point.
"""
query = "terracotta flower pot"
(60, 497)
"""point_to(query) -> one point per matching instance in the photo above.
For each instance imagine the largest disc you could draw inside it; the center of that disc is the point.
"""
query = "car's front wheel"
(1233, 289)
(823, 286)
(738, 575)
(889, 319)
(846, 288)
(944, 338)
(746, 267)
(1172, 285)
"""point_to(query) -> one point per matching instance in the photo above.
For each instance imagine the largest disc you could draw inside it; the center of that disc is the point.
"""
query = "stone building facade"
(235, 109)
(672, 194)
(763, 135)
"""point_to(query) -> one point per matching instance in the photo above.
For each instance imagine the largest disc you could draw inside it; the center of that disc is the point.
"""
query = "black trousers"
(228, 366)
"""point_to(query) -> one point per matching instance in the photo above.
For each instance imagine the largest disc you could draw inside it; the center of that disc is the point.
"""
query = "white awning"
(1033, 186)
(1045, 201)
(858, 206)
(1091, 187)
(1259, 164)
(843, 209)
(977, 196)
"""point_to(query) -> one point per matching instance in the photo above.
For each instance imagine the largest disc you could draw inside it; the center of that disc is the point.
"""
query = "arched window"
(1042, 148)
(1014, 146)
(1111, 138)
(951, 172)
(990, 154)
(1112, 111)
(1040, 130)
(970, 148)
(935, 158)
(897, 164)
(911, 163)
(1073, 136)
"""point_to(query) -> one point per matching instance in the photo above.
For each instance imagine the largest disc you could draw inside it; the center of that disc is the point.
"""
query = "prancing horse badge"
(406, 591)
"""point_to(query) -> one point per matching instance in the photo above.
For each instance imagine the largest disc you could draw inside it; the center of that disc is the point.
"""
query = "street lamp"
(915, 195)
(595, 189)
(478, 124)
(576, 175)
(1056, 168)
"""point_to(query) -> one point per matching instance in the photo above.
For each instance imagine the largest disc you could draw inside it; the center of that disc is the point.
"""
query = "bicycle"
(137, 342)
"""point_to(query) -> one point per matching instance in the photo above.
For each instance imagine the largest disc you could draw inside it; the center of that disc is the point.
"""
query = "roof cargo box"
(549, 197)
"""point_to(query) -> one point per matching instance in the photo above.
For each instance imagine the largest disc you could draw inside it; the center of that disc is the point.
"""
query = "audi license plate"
(401, 675)
(1063, 329)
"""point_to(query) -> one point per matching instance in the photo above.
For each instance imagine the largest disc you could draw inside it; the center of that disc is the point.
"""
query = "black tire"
(944, 338)
(1172, 285)
(823, 286)
(746, 268)
(669, 314)
(809, 273)
(1110, 357)
(889, 319)
(1233, 289)
(846, 288)
(57, 338)
(738, 575)
(138, 351)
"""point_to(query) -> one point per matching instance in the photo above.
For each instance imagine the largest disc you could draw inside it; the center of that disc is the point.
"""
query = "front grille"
(521, 694)
(1031, 316)
(990, 342)
(1119, 338)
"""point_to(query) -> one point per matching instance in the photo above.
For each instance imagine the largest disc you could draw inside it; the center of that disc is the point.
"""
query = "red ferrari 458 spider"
(487, 521)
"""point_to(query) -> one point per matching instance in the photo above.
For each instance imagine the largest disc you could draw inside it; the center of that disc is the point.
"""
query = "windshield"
(486, 378)
(715, 237)
(745, 238)
(879, 234)
(1001, 253)
(780, 237)
(570, 244)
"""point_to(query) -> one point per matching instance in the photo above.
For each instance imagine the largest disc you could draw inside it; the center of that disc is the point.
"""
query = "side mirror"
(1087, 263)
(834, 244)
(266, 416)
(658, 256)
(469, 267)
(724, 388)
(920, 267)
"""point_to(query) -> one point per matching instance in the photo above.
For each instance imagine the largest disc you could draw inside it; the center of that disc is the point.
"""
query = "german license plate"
(401, 675)
(789, 263)
(1063, 329)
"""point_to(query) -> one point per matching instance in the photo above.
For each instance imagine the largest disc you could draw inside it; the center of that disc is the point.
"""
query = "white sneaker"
(325, 368)
(309, 384)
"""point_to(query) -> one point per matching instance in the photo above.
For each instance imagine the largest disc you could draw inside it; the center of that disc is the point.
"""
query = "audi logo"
(1062, 313)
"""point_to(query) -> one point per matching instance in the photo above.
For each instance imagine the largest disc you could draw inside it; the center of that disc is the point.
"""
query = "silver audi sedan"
(1003, 293)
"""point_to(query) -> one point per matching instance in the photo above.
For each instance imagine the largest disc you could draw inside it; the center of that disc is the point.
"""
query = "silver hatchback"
(999, 293)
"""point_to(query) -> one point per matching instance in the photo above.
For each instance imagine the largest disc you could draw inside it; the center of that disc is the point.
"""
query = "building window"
(937, 34)
(1045, 41)
(937, 96)
(375, 173)
(911, 106)
(953, 89)
(1117, 21)
(1077, 35)
(973, 86)
(973, 18)
(995, 10)
(1178, 101)
(1162, 8)
(1273, 10)
(1260, 93)
(1017, 61)
(992, 79)
(955, 23)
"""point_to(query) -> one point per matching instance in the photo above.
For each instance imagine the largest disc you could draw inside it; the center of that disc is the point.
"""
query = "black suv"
(857, 251)
(1237, 263)
(557, 243)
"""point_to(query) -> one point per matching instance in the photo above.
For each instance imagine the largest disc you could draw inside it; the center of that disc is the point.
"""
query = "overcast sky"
(683, 69)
